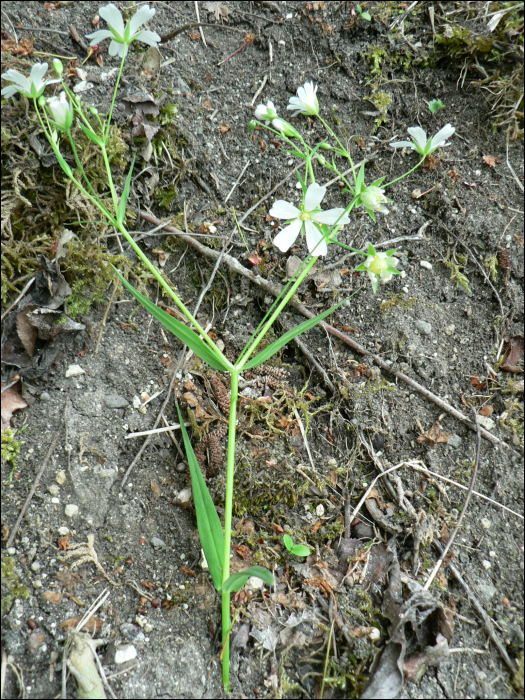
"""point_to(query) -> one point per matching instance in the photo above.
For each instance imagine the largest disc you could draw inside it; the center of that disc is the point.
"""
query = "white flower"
(306, 101)
(380, 267)
(266, 112)
(419, 141)
(304, 218)
(373, 199)
(61, 111)
(33, 87)
(122, 35)
(285, 128)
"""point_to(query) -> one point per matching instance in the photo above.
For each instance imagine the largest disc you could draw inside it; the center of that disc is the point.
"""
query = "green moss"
(381, 101)
(455, 263)
(12, 589)
(397, 301)
(10, 446)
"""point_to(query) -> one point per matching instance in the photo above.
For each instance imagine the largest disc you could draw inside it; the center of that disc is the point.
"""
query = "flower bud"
(325, 146)
(252, 125)
(61, 111)
(93, 110)
(285, 128)
(321, 160)
(41, 101)
(58, 67)
(373, 199)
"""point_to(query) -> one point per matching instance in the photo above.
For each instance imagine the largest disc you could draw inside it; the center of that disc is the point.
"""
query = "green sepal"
(208, 523)
(183, 333)
(91, 135)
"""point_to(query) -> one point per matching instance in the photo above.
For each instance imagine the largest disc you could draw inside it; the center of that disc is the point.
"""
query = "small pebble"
(319, 511)
(184, 496)
(44, 396)
(423, 327)
(255, 583)
(60, 477)
(125, 652)
(486, 564)
(485, 523)
(71, 510)
(74, 371)
(425, 264)
(374, 635)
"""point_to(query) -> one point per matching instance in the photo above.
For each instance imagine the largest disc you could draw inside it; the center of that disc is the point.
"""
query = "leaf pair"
(210, 528)
(183, 333)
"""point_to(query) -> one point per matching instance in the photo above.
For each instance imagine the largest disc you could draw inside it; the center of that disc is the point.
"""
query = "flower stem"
(340, 145)
(402, 176)
(228, 509)
(106, 134)
(248, 352)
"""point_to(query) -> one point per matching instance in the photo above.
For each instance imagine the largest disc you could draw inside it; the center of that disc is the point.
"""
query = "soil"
(423, 324)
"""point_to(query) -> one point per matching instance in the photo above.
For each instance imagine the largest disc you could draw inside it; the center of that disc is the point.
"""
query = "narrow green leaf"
(121, 213)
(268, 352)
(183, 333)
(288, 542)
(91, 135)
(237, 581)
(300, 550)
(360, 178)
(208, 523)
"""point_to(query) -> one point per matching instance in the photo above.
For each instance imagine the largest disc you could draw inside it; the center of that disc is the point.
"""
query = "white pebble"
(319, 511)
(71, 509)
(486, 564)
(184, 496)
(125, 652)
(425, 264)
(255, 583)
(485, 523)
(74, 371)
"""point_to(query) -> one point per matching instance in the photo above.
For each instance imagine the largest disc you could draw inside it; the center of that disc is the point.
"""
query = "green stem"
(245, 356)
(340, 145)
(81, 168)
(106, 133)
(228, 510)
(402, 176)
(110, 178)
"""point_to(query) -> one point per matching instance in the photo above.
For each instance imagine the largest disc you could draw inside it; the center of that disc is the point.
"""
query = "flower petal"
(9, 91)
(116, 49)
(112, 15)
(37, 73)
(143, 15)
(286, 238)
(314, 196)
(149, 38)
(403, 144)
(442, 135)
(99, 36)
(315, 239)
(331, 216)
(284, 210)
(419, 135)
(20, 81)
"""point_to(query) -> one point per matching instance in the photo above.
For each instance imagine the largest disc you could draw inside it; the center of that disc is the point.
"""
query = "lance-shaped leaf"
(183, 333)
(91, 135)
(360, 178)
(268, 352)
(121, 212)
(237, 581)
(208, 523)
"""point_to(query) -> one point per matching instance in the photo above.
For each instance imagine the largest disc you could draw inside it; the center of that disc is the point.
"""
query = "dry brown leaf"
(207, 104)
(486, 411)
(219, 9)
(26, 332)
(155, 489)
(192, 401)
(11, 402)
(491, 161)
(23, 48)
(478, 383)
(434, 436)
(92, 626)
(224, 128)
(513, 355)
(54, 597)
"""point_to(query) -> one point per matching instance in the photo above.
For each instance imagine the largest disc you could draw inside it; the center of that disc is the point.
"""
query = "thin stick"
(480, 610)
(276, 290)
(198, 20)
(31, 493)
(175, 426)
(24, 290)
(452, 537)
(509, 166)
(103, 324)
(259, 90)
(236, 182)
